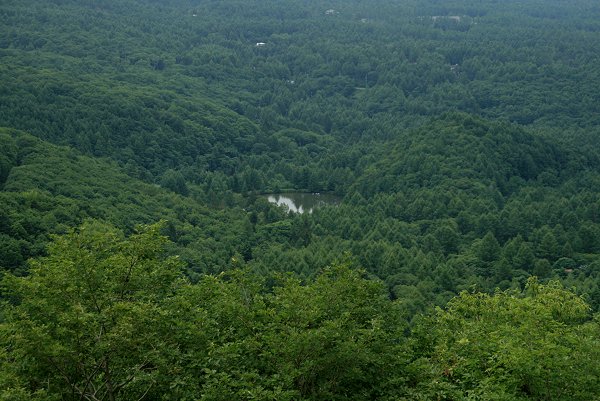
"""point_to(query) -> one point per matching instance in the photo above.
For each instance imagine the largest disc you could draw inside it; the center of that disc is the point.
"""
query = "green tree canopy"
(541, 344)
(89, 321)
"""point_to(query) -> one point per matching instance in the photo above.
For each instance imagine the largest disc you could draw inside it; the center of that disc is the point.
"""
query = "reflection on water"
(300, 202)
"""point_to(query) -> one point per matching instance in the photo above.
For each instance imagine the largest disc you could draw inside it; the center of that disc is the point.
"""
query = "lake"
(300, 202)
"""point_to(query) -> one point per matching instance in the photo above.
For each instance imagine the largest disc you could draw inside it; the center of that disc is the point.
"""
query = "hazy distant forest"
(140, 258)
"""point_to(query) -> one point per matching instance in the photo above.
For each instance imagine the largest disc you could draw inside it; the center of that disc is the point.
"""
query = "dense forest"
(141, 257)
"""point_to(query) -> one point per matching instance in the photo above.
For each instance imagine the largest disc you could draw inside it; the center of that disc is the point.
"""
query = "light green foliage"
(104, 317)
(89, 322)
(539, 344)
(109, 317)
(334, 338)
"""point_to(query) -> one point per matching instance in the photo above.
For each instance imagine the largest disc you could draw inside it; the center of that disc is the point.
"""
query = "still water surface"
(300, 202)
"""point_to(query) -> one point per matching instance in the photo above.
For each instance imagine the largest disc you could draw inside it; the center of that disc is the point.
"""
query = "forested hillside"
(141, 258)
